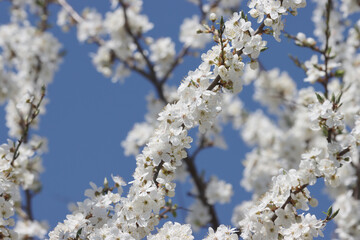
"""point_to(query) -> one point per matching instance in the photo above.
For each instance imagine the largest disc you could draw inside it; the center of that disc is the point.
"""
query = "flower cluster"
(315, 71)
(276, 214)
(271, 12)
(325, 114)
(218, 191)
(273, 88)
(174, 231)
(348, 221)
(137, 214)
(30, 58)
(189, 33)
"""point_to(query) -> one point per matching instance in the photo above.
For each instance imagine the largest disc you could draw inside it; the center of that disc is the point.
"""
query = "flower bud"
(268, 22)
(311, 41)
(254, 65)
(313, 202)
(212, 17)
(254, 13)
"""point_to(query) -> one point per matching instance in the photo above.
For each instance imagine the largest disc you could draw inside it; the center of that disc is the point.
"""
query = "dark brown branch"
(356, 190)
(176, 62)
(137, 43)
(157, 171)
(28, 206)
(260, 29)
(214, 83)
(201, 187)
(152, 75)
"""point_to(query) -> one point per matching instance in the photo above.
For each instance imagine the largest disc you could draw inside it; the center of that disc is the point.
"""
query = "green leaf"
(335, 214)
(333, 98)
(328, 51)
(221, 21)
(339, 73)
(78, 233)
(320, 98)
(243, 15)
(40, 3)
(325, 131)
(174, 213)
(339, 98)
(329, 212)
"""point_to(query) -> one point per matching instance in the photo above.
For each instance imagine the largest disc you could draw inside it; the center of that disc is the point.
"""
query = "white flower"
(198, 216)
(218, 191)
(189, 35)
(162, 53)
(223, 233)
(285, 217)
(174, 231)
(27, 228)
(91, 26)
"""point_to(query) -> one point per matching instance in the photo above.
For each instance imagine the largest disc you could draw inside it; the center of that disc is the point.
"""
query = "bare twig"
(312, 47)
(326, 53)
(201, 187)
(176, 62)
(30, 118)
(70, 10)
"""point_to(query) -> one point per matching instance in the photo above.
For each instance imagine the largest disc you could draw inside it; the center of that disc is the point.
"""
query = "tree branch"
(326, 53)
(176, 62)
(201, 187)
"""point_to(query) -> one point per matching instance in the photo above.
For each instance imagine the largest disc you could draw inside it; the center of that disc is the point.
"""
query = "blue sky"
(88, 116)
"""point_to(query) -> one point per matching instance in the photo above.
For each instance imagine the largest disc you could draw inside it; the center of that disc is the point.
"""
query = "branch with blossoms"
(326, 115)
(29, 57)
(158, 83)
(16, 159)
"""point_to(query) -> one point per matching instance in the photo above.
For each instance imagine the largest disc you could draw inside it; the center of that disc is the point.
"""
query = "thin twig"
(288, 200)
(326, 53)
(201, 187)
(176, 62)
(137, 43)
(312, 47)
(71, 11)
(30, 118)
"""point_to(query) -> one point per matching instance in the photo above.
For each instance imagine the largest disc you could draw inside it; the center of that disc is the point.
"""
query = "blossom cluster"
(29, 58)
(156, 165)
